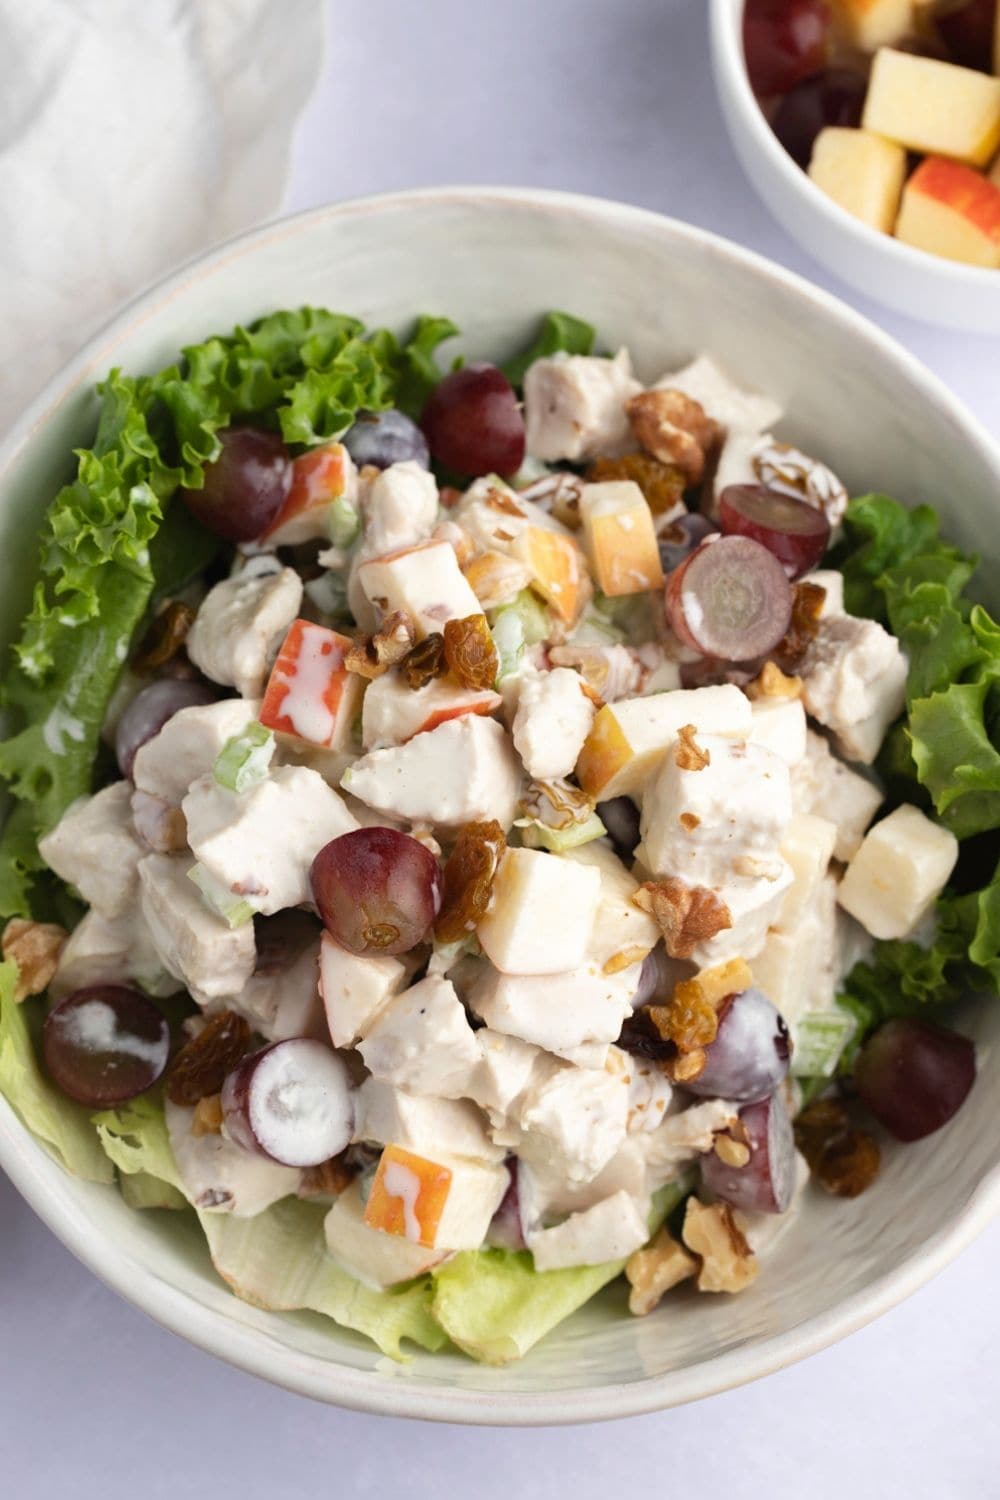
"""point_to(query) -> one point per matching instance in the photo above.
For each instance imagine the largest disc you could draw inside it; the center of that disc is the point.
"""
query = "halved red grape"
(914, 1076)
(767, 1182)
(679, 539)
(291, 1101)
(377, 890)
(784, 41)
(834, 97)
(149, 711)
(473, 423)
(751, 1051)
(105, 1044)
(796, 532)
(506, 1231)
(730, 599)
(966, 28)
(245, 487)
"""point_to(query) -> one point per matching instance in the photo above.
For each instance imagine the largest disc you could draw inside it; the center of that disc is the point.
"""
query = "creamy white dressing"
(308, 682)
(93, 1027)
(59, 727)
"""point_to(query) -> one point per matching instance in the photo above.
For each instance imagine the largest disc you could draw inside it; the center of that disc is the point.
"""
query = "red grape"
(730, 599)
(377, 890)
(967, 30)
(150, 709)
(506, 1231)
(245, 487)
(914, 1075)
(767, 1181)
(834, 97)
(784, 42)
(678, 540)
(796, 532)
(382, 438)
(292, 1102)
(751, 1051)
(105, 1044)
(620, 817)
(473, 423)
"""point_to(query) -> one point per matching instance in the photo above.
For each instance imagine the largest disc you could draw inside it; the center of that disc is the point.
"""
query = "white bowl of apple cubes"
(900, 194)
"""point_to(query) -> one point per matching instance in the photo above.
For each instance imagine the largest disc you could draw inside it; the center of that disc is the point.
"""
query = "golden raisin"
(328, 1180)
(807, 605)
(843, 1160)
(200, 1067)
(164, 639)
(468, 879)
(689, 1019)
(425, 662)
(662, 484)
(470, 652)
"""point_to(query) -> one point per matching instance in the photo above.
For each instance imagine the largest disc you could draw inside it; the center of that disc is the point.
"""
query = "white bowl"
(910, 281)
(493, 260)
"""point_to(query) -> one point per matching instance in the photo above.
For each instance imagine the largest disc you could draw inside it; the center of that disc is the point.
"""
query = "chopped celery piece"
(523, 622)
(508, 638)
(820, 1038)
(236, 910)
(343, 522)
(243, 760)
(329, 594)
(538, 835)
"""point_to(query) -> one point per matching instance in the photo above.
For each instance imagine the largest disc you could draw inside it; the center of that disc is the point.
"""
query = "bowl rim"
(376, 1391)
(725, 21)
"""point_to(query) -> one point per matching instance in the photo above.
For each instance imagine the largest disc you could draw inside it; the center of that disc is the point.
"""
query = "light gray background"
(612, 97)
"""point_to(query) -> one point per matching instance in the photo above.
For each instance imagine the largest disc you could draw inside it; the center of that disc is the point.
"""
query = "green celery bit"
(538, 835)
(236, 910)
(820, 1039)
(245, 759)
(343, 522)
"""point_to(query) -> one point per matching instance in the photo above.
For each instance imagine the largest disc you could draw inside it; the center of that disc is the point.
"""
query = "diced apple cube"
(953, 211)
(620, 538)
(557, 570)
(870, 24)
(443, 1204)
(933, 106)
(631, 737)
(393, 713)
(808, 847)
(541, 913)
(898, 873)
(609, 1230)
(319, 479)
(355, 989)
(861, 172)
(779, 725)
(310, 694)
(376, 1259)
(422, 1042)
(425, 582)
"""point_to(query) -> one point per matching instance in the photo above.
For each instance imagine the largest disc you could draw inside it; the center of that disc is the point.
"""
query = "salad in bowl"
(479, 834)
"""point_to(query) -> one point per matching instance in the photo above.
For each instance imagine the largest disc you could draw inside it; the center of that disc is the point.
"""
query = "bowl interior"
(493, 261)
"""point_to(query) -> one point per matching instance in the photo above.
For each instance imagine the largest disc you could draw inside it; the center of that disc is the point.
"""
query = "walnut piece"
(328, 1180)
(624, 960)
(733, 1153)
(688, 754)
(207, 1117)
(675, 429)
(371, 655)
(688, 1066)
(35, 948)
(655, 1269)
(771, 682)
(727, 1262)
(686, 914)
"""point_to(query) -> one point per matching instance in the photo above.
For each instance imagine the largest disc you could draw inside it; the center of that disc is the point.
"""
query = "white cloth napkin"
(133, 133)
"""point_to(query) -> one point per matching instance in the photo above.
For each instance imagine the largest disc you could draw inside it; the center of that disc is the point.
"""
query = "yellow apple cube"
(950, 210)
(862, 172)
(557, 568)
(933, 106)
(870, 24)
(620, 538)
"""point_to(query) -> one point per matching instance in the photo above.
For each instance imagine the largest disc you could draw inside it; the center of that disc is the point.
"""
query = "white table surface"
(611, 97)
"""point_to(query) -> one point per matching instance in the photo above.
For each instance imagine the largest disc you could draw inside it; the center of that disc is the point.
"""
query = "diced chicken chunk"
(198, 947)
(220, 1176)
(464, 771)
(260, 843)
(544, 1194)
(898, 873)
(376, 1259)
(393, 713)
(574, 406)
(188, 746)
(94, 848)
(822, 784)
(541, 913)
(854, 682)
(355, 989)
(560, 1012)
(424, 581)
(573, 1121)
(506, 1068)
(240, 625)
(390, 1116)
(831, 581)
(754, 906)
(731, 405)
(553, 718)
(281, 999)
(422, 1041)
(111, 950)
(686, 1134)
(399, 508)
(610, 1230)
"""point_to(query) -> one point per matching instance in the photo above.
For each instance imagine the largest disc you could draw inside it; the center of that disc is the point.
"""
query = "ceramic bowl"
(493, 260)
(908, 280)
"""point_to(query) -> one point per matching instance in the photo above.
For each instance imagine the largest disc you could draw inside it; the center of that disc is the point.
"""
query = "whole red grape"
(784, 41)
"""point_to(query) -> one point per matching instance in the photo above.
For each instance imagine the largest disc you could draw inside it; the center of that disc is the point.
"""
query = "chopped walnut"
(624, 960)
(688, 754)
(371, 655)
(771, 682)
(686, 914)
(34, 947)
(727, 1262)
(675, 429)
(328, 1180)
(207, 1117)
(496, 579)
(733, 1153)
(688, 1066)
(654, 1270)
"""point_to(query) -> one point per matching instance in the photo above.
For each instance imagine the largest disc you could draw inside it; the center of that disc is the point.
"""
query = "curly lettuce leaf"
(63, 1128)
(277, 1260)
(134, 1136)
(879, 533)
(559, 332)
